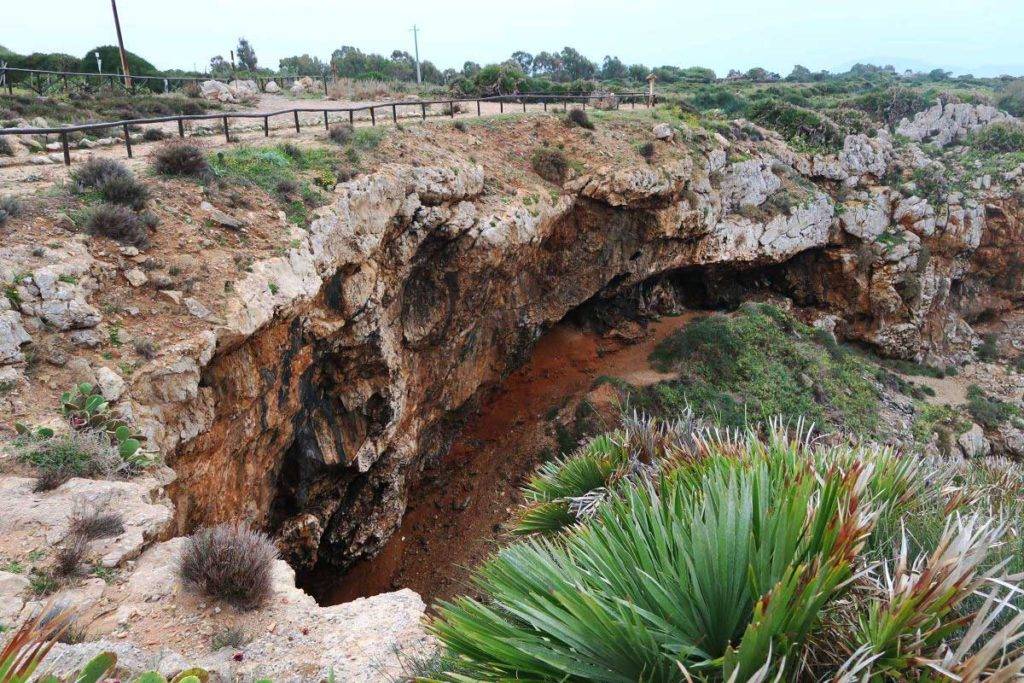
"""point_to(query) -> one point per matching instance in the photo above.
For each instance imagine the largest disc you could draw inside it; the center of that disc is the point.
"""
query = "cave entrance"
(460, 505)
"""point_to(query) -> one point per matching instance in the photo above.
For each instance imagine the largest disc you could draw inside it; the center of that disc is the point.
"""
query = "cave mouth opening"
(459, 505)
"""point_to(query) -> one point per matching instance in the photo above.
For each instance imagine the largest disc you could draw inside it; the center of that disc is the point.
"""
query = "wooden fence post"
(423, 111)
(373, 118)
(227, 136)
(478, 107)
(394, 113)
(296, 112)
(181, 128)
(128, 140)
(266, 126)
(64, 145)
(326, 125)
(351, 117)
(451, 108)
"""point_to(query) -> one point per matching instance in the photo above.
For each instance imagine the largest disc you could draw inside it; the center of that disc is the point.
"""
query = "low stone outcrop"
(946, 123)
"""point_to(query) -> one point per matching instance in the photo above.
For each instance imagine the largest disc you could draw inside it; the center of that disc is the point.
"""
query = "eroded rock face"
(308, 410)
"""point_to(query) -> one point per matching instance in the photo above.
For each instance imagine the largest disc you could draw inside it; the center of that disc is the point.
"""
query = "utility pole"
(120, 44)
(416, 43)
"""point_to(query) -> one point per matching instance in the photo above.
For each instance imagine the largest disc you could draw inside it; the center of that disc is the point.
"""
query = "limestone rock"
(944, 124)
(111, 385)
(12, 336)
(748, 183)
(40, 519)
(13, 589)
(220, 217)
(973, 443)
(662, 131)
(272, 87)
(136, 277)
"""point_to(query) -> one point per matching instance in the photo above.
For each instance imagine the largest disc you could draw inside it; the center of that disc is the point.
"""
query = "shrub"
(550, 164)
(743, 558)
(153, 135)
(5, 147)
(112, 181)
(69, 555)
(77, 454)
(119, 223)
(98, 171)
(10, 207)
(340, 133)
(125, 192)
(800, 126)
(460, 126)
(1012, 97)
(578, 117)
(286, 187)
(180, 159)
(891, 105)
(646, 150)
(988, 350)
(998, 138)
(229, 562)
(987, 411)
(94, 521)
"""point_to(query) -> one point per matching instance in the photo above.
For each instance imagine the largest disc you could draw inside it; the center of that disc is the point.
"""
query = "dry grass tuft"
(229, 562)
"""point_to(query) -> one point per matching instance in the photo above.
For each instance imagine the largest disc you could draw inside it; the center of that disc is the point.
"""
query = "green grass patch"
(759, 363)
(287, 172)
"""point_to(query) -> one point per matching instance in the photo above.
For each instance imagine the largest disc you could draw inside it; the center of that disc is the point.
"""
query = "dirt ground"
(459, 508)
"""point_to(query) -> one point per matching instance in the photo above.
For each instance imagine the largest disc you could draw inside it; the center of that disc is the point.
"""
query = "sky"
(982, 37)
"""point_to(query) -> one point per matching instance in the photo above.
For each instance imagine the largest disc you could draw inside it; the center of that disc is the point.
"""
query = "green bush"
(891, 105)
(758, 363)
(804, 128)
(987, 411)
(739, 559)
(998, 138)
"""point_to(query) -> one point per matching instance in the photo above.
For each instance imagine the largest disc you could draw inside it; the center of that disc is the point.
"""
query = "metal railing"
(521, 99)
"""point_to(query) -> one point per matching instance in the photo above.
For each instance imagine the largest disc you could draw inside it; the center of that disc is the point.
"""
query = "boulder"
(272, 87)
(111, 385)
(662, 131)
(12, 336)
(973, 443)
(215, 90)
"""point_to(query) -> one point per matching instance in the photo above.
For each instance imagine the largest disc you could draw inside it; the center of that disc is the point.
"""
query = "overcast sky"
(983, 37)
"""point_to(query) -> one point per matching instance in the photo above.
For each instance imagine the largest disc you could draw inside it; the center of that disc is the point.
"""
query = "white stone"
(136, 277)
(973, 443)
(12, 336)
(111, 384)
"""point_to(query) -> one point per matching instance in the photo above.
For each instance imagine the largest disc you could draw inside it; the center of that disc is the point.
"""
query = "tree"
(246, 55)
(939, 75)
(547, 64)
(219, 66)
(302, 65)
(757, 74)
(470, 69)
(638, 72)
(800, 74)
(576, 65)
(612, 67)
(524, 60)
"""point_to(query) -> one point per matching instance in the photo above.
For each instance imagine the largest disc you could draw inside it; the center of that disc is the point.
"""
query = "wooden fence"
(512, 101)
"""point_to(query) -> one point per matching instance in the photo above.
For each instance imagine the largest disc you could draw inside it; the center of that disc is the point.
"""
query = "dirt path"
(457, 510)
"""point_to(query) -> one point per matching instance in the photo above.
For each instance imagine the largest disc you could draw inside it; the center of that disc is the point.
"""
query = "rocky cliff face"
(318, 399)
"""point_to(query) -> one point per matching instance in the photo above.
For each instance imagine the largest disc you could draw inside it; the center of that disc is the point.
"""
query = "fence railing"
(41, 81)
(224, 117)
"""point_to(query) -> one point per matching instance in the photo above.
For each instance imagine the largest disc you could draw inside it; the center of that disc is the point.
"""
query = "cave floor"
(459, 508)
